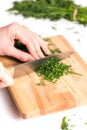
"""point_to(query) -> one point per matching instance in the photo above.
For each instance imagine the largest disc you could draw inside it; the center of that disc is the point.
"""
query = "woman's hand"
(5, 77)
(31, 40)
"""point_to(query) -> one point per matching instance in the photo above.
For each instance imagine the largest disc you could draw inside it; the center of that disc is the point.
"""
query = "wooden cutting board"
(33, 100)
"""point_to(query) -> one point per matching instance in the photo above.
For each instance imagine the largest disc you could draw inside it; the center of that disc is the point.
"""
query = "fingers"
(35, 45)
(5, 77)
(39, 44)
(35, 49)
(43, 46)
(20, 55)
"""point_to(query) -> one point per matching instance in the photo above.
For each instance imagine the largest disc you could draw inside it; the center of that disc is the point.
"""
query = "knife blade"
(28, 67)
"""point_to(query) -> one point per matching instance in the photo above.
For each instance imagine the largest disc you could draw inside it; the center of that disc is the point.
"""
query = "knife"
(28, 67)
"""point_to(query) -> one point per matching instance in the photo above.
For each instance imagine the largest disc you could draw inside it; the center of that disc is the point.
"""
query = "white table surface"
(76, 35)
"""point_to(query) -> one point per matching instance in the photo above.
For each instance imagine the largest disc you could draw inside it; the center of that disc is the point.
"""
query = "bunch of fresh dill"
(52, 9)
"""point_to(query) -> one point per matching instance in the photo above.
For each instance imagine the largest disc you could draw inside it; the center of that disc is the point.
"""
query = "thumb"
(5, 77)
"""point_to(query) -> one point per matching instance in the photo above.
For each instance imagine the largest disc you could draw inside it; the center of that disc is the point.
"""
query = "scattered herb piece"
(47, 39)
(52, 9)
(78, 40)
(41, 83)
(70, 28)
(86, 123)
(53, 51)
(76, 32)
(65, 125)
(53, 27)
(50, 44)
(68, 123)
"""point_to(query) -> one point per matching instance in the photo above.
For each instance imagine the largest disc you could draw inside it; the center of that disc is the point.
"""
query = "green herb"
(46, 39)
(76, 32)
(65, 125)
(52, 9)
(53, 27)
(52, 69)
(78, 40)
(70, 28)
(41, 83)
(53, 51)
(86, 123)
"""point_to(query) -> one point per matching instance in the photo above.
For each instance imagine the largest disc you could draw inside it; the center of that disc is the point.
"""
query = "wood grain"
(70, 91)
